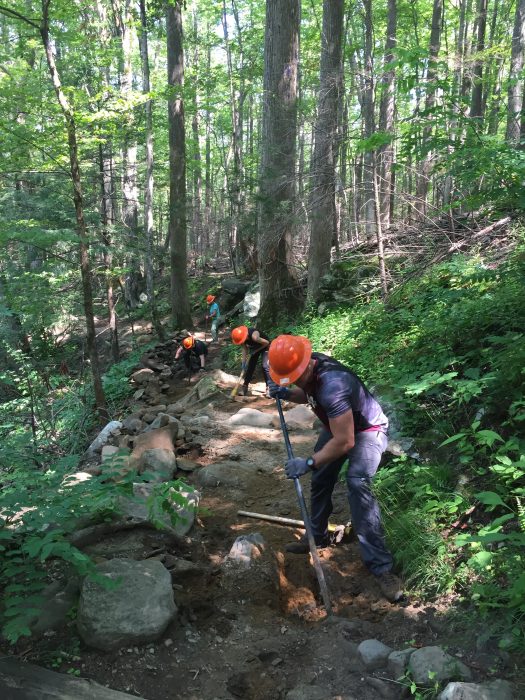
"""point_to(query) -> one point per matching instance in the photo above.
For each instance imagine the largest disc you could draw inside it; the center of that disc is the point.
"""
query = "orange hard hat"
(239, 334)
(188, 342)
(210, 298)
(288, 358)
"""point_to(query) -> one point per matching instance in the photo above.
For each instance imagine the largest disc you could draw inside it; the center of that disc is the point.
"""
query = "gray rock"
(161, 420)
(22, 681)
(139, 509)
(143, 376)
(373, 653)
(160, 463)
(245, 549)
(104, 435)
(252, 417)
(58, 601)
(251, 304)
(136, 609)
(234, 287)
(495, 690)
(398, 662)
(433, 661)
(308, 692)
(223, 474)
(132, 424)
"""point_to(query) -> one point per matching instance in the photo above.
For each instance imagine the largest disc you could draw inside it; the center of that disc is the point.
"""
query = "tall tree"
(278, 283)
(78, 198)
(323, 213)
(369, 126)
(386, 117)
(476, 104)
(180, 305)
(422, 185)
(515, 90)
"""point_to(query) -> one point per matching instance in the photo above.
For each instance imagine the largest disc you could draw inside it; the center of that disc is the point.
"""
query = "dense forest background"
(363, 162)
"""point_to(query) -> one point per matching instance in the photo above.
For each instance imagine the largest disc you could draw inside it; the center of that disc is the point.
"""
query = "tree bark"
(422, 184)
(323, 212)
(148, 185)
(85, 267)
(180, 305)
(386, 116)
(515, 90)
(368, 108)
(476, 104)
(277, 180)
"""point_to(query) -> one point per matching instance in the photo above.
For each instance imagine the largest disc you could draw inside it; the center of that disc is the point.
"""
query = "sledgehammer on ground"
(337, 531)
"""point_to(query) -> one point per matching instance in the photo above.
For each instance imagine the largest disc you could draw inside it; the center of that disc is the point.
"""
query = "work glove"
(296, 467)
(279, 392)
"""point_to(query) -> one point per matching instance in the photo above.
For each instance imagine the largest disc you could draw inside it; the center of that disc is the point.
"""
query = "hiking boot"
(391, 587)
(302, 547)
(243, 391)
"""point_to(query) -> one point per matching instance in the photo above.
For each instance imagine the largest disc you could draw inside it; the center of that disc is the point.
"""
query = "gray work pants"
(364, 460)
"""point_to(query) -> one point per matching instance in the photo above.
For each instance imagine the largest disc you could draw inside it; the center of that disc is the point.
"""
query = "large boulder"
(251, 304)
(136, 608)
(252, 417)
(234, 289)
(373, 653)
(22, 681)
(494, 690)
(233, 474)
(299, 417)
(430, 664)
(140, 508)
(102, 438)
(159, 464)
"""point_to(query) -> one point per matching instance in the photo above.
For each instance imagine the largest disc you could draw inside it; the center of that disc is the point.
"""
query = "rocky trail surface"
(214, 608)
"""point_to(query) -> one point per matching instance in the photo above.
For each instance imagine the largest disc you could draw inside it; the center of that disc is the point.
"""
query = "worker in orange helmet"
(354, 428)
(191, 348)
(214, 313)
(254, 344)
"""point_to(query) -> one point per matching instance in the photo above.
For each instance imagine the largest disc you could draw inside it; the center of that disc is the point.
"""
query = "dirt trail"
(259, 633)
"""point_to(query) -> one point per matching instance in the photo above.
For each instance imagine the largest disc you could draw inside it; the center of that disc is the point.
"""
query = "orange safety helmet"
(210, 299)
(189, 342)
(288, 357)
(239, 335)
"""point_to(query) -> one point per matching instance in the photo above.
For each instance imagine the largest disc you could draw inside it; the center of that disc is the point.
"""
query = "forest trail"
(261, 633)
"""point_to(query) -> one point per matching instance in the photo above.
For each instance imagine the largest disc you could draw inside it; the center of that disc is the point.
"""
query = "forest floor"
(262, 633)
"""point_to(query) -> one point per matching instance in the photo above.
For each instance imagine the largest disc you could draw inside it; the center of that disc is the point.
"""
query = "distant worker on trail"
(191, 348)
(254, 344)
(214, 313)
(355, 428)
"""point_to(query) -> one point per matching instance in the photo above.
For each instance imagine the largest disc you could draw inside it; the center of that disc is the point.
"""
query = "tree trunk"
(148, 189)
(180, 305)
(386, 116)
(197, 168)
(85, 268)
(515, 90)
(476, 104)
(277, 181)
(430, 100)
(369, 122)
(323, 213)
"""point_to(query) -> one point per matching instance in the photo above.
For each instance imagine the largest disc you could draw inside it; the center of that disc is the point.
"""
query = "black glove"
(279, 392)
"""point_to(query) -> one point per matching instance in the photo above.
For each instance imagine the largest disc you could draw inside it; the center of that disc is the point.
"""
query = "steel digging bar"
(306, 518)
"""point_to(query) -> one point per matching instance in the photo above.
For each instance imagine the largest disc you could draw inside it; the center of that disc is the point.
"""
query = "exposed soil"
(257, 634)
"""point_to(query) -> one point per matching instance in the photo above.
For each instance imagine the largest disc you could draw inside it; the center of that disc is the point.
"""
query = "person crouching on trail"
(254, 344)
(355, 428)
(214, 313)
(193, 348)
